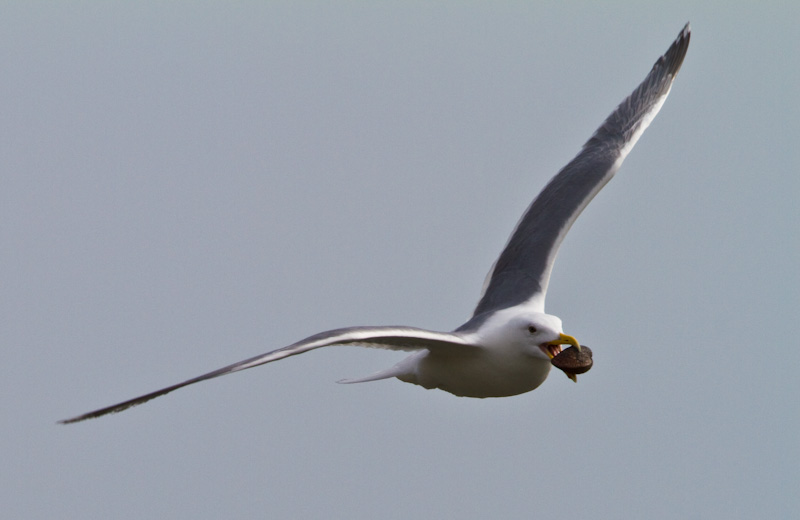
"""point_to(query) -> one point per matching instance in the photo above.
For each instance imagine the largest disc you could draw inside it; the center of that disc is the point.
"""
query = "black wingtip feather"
(673, 58)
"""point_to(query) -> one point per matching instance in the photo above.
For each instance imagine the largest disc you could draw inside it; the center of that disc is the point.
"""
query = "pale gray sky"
(188, 185)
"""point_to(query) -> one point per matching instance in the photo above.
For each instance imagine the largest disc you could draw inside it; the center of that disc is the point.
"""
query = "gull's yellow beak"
(563, 339)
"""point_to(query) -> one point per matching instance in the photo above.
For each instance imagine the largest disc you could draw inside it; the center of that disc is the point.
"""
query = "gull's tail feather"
(377, 376)
(405, 370)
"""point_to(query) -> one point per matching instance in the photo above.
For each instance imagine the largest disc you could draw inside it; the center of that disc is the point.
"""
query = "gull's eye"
(531, 329)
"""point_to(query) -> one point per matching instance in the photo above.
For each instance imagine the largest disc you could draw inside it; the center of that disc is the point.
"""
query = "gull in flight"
(506, 346)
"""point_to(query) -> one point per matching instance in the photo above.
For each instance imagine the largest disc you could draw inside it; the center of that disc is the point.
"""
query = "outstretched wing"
(522, 272)
(391, 338)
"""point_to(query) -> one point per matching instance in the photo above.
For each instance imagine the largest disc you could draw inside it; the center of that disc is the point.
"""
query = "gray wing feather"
(392, 338)
(522, 272)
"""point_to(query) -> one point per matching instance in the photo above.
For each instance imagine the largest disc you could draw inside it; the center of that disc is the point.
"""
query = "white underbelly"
(480, 376)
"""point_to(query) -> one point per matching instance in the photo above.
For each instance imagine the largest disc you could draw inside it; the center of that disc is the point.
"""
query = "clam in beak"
(553, 348)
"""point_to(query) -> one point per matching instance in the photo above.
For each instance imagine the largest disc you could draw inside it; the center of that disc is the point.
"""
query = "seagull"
(505, 348)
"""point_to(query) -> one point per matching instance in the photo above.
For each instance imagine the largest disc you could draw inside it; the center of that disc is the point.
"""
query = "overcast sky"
(186, 184)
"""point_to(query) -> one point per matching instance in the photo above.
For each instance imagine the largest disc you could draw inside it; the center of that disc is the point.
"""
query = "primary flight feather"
(506, 347)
